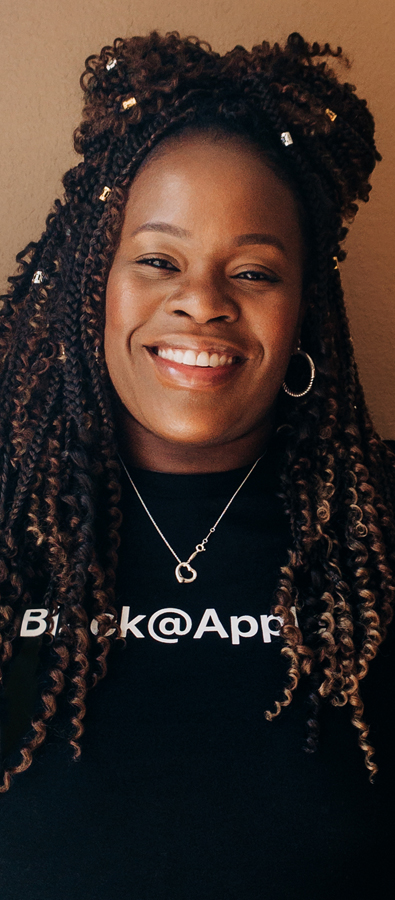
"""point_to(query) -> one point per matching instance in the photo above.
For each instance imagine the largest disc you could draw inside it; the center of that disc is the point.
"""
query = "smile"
(193, 358)
(199, 368)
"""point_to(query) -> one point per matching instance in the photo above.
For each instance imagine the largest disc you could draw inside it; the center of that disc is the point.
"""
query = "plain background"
(43, 47)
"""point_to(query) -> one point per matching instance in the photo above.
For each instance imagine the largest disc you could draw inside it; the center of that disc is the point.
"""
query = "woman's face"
(204, 304)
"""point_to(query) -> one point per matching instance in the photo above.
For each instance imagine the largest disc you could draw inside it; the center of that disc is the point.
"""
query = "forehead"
(222, 183)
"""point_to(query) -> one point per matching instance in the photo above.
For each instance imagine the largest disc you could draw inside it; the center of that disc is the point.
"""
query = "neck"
(141, 448)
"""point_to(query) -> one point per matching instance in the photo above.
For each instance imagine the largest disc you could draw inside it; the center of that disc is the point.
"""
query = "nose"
(203, 300)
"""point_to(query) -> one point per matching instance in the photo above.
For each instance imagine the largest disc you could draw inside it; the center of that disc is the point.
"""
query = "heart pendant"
(190, 569)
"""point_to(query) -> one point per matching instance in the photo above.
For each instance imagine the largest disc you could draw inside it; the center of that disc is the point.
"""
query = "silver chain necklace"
(200, 548)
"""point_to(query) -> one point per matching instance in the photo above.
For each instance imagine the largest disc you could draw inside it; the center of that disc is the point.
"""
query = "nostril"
(203, 305)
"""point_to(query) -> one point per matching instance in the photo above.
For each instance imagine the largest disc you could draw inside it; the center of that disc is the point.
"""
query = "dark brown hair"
(60, 478)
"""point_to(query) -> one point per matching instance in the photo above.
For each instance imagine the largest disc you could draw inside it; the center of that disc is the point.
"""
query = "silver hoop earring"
(312, 375)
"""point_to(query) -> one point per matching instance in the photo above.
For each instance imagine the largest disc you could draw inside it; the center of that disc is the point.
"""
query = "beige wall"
(43, 47)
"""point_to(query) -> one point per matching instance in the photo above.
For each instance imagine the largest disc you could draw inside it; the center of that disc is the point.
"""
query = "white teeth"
(203, 359)
(190, 358)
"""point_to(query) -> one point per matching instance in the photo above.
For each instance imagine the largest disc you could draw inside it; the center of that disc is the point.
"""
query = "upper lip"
(198, 344)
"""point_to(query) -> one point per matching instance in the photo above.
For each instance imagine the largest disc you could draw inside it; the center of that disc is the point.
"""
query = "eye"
(256, 275)
(157, 262)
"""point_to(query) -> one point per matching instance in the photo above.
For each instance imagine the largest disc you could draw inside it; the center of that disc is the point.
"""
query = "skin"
(222, 273)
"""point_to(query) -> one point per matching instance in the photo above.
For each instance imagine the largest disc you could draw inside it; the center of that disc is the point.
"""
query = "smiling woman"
(178, 379)
(209, 264)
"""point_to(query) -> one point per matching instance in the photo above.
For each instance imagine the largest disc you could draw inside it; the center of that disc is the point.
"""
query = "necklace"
(200, 548)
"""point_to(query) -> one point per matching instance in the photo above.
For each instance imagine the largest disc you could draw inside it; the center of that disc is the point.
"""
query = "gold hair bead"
(111, 64)
(336, 262)
(128, 103)
(331, 115)
(38, 277)
(286, 139)
(62, 355)
(105, 193)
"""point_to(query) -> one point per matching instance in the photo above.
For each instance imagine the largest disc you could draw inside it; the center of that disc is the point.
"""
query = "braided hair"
(60, 477)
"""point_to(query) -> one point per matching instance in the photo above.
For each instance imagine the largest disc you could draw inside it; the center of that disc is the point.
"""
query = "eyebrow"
(164, 227)
(258, 238)
(240, 241)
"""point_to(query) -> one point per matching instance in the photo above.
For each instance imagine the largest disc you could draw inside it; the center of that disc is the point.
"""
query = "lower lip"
(193, 376)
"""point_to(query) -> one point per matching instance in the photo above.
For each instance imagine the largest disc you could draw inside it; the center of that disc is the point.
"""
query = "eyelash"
(152, 260)
(257, 276)
(167, 266)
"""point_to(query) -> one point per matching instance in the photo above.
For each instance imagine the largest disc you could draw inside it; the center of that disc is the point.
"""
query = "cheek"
(118, 305)
(278, 332)
(125, 312)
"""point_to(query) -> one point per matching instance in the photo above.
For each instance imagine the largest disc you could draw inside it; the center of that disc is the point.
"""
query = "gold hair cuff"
(128, 103)
(331, 115)
(38, 277)
(105, 193)
(336, 262)
(62, 355)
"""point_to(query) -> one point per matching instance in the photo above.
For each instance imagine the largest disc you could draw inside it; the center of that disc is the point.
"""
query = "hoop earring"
(312, 375)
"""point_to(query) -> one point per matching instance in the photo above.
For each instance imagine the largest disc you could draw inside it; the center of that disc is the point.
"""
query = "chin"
(192, 437)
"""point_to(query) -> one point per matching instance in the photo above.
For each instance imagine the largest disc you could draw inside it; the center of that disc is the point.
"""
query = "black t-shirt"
(184, 790)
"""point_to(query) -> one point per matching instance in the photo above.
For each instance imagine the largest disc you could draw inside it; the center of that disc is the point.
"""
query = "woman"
(197, 513)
